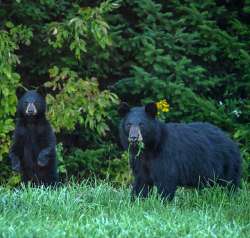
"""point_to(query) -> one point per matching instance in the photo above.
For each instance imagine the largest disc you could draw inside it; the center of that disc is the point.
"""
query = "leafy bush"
(11, 37)
(104, 162)
(78, 101)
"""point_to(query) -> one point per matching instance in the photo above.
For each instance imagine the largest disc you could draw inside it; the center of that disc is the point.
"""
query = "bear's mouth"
(30, 114)
(133, 144)
(135, 140)
(136, 148)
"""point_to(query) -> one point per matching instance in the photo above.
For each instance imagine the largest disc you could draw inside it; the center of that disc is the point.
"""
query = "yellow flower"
(163, 105)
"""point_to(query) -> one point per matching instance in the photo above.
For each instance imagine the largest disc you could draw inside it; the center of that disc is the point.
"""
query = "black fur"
(178, 154)
(33, 149)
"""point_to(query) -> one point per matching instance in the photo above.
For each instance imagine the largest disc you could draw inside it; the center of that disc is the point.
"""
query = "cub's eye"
(129, 124)
(141, 125)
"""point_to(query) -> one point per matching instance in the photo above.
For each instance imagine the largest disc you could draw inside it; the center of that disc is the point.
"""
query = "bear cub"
(176, 154)
(33, 151)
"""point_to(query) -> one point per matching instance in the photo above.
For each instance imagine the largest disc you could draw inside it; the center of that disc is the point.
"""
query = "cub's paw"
(42, 161)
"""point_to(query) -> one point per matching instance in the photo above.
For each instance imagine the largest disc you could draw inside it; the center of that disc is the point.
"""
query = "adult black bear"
(33, 149)
(176, 154)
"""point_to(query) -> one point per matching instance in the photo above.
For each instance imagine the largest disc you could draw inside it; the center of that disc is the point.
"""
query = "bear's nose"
(31, 109)
(133, 138)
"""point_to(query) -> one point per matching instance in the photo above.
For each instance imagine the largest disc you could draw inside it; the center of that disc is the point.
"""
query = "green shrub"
(11, 37)
(103, 162)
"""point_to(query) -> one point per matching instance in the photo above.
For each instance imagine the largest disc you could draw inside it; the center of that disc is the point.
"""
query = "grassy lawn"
(100, 210)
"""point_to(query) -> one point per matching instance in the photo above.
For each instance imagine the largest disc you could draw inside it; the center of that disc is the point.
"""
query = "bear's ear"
(151, 109)
(123, 109)
(41, 90)
(20, 91)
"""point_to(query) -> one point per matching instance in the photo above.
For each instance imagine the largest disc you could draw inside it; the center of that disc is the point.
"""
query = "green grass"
(100, 210)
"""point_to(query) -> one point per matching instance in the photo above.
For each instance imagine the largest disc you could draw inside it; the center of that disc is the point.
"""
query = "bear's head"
(139, 124)
(31, 105)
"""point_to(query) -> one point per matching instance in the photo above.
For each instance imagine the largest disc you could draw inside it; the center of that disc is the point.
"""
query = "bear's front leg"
(44, 156)
(166, 189)
(49, 151)
(16, 152)
(15, 162)
(140, 188)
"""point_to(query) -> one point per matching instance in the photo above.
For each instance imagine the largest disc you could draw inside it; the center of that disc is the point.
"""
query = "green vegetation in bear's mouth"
(139, 146)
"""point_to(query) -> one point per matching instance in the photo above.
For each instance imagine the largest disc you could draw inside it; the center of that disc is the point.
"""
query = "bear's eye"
(141, 124)
(129, 124)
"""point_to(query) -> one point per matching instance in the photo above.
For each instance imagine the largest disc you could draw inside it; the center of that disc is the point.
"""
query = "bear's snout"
(31, 110)
(134, 134)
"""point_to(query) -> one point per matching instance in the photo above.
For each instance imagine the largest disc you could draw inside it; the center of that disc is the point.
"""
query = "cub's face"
(31, 104)
(138, 123)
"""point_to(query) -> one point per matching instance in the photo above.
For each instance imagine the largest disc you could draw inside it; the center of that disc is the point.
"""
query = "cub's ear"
(41, 90)
(151, 109)
(20, 91)
(123, 109)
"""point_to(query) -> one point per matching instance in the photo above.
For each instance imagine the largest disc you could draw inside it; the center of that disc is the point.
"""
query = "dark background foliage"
(88, 55)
